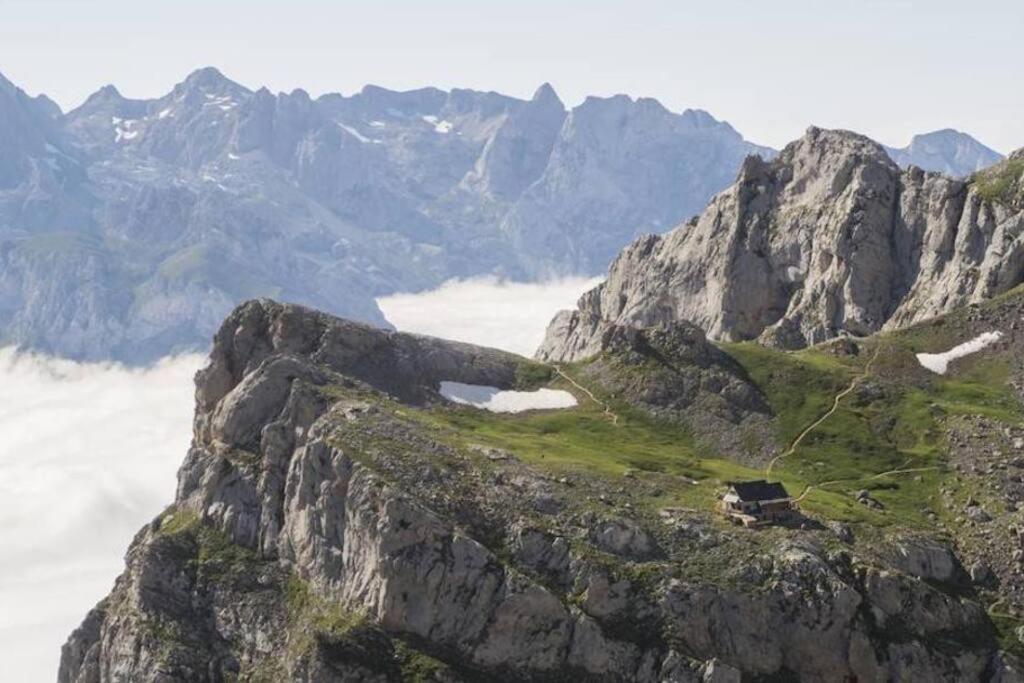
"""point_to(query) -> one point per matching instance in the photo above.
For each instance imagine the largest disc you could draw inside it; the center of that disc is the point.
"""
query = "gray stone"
(761, 261)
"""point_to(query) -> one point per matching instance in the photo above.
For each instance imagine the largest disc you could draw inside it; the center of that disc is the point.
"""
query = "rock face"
(322, 531)
(946, 151)
(830, 238)
(130, 228)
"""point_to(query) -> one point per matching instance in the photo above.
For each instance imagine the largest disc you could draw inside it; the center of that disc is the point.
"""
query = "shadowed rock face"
(830, 238)
(325, 531)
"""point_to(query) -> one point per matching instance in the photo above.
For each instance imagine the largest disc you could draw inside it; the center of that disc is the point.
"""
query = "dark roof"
(759, 490)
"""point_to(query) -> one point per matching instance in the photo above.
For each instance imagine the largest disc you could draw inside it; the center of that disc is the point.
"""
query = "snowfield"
(939, 362)
(498, 401)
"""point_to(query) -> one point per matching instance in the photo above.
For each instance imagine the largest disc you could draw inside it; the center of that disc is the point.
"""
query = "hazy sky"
(885, 68)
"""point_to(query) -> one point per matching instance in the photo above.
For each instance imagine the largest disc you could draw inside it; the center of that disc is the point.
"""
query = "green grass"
(216, 555)
(1001, 183)
(1006, 633)
(419, 667)
(531, 375)
(312, 617)
(585, 441)
(799, 386)
(900, 429)
(894, 420)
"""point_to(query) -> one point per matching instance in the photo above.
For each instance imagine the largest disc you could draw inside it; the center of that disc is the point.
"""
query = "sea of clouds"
(486, 311)
(89, 452)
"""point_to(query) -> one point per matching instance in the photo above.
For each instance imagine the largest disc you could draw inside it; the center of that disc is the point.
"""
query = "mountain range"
(129, 228)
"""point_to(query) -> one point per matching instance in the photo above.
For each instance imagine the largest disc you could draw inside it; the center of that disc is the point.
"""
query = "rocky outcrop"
(830, 238)
(673, 372)
(326, 528)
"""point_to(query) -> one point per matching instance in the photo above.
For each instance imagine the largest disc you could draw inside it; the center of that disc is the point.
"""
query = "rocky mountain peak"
(946, 151)
(820, 144)
(209, 79)
(546, 94)
(830, 238)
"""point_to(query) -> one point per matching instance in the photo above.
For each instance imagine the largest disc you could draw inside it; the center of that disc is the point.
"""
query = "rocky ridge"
(830, 238)
(325, 528)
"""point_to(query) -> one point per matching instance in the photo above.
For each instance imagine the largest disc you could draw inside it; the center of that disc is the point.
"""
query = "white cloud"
(486, 311)
(88, 454)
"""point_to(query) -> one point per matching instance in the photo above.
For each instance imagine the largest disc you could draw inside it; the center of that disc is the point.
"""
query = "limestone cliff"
(830, 238)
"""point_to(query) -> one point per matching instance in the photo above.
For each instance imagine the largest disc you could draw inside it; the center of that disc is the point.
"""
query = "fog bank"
(88, 454)
(486, 311)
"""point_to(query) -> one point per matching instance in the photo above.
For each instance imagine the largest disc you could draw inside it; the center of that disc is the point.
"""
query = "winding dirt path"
(607, 409)
(908, 470)
(814, 425)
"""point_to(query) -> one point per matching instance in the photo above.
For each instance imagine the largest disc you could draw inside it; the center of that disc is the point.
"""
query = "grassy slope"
(893, 422)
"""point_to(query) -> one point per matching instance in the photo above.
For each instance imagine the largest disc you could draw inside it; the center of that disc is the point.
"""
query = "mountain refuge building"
(758, 503)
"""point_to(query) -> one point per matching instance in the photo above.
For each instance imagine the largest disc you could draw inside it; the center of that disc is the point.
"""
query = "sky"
(888, 69)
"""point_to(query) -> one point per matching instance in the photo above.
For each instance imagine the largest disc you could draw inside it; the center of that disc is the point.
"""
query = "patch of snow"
(233, 157)
(439, 125)
(357, 135)
(377, 124)
(353, 132)
(498, 401)
(164, 113)
(224, 103)
(120, 134)
(114, 120)
(939, 362)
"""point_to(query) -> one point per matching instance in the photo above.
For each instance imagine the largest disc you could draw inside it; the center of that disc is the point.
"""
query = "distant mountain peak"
(209, 79)
(6, 85)
(546, 94)
(107, 92)
(946, 150)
